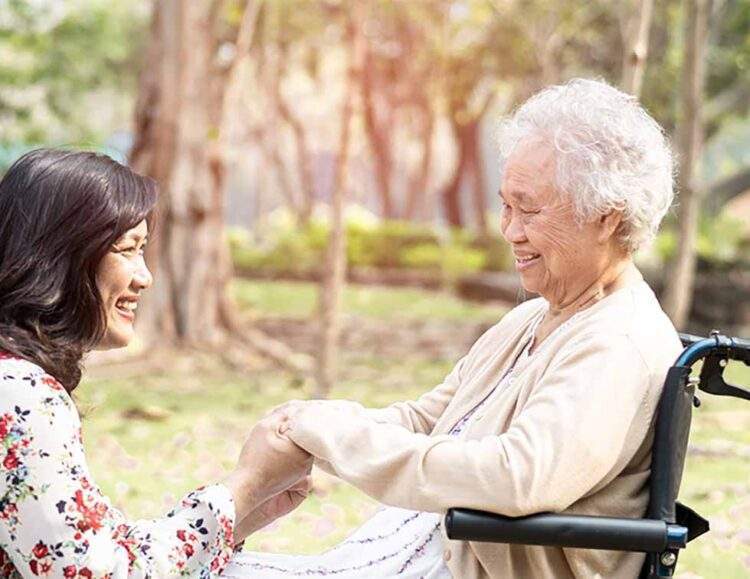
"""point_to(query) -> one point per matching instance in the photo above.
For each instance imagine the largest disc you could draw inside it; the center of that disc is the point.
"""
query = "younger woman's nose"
(143, 278)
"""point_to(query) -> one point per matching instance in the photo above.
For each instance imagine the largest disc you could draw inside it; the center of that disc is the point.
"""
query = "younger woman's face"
(121, 277)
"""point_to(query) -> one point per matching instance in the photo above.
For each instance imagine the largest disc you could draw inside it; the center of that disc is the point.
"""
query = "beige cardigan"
(572, 433)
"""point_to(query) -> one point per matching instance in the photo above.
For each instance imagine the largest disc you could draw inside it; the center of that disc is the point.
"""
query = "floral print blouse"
(54, 520)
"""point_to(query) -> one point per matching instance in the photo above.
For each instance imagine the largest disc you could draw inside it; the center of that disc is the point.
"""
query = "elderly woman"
(552, 409)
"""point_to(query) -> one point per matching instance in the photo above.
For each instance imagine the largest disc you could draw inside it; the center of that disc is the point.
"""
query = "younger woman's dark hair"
(60, 213)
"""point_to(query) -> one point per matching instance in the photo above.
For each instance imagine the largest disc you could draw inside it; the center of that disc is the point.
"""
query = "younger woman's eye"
(131, 250)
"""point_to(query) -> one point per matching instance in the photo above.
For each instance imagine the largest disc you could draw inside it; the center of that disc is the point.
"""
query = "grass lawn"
(296, 299)
(154, 436)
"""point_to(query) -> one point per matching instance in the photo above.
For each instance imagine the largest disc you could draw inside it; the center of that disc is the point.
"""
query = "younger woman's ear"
(609, 224)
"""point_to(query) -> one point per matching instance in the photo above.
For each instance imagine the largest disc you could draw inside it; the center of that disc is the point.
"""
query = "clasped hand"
(272, 476)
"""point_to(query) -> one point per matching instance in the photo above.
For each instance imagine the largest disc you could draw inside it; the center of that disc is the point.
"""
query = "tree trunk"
(304, 160)
(377, 137)
(334, 274)
(450, 195)
(271, 149)
(636, 35)
(466, 133)
(417, 194)
(475, 168)
(172, 146)
(180, 120)
(722, 192)
(680, 279)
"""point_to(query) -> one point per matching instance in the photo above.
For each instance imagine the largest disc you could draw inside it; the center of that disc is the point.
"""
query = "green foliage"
(727, 68)
(292, 249)
(65, 66)
(498, 256)
(385, 245)
(452, 261)
(720, 240)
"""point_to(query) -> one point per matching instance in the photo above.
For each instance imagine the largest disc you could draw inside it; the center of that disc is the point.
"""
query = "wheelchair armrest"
(577, 531)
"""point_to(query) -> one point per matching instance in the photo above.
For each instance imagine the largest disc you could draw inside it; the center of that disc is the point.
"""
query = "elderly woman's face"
(121, 276)
(554, 255)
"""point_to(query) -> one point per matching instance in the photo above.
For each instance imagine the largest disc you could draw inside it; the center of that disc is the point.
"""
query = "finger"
(289, 406)
(297, 500)
(282, 425)
(281, 408)
(302, 485)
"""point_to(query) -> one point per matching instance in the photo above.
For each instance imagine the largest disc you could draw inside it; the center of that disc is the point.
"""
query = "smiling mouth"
(126, 308)
(526, 260)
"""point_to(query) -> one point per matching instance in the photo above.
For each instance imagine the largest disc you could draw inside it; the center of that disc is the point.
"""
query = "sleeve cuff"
(314, 429)
(219, 501)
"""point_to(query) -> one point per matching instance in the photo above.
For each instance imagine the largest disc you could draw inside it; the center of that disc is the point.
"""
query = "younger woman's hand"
(269, 463)
(275, 507)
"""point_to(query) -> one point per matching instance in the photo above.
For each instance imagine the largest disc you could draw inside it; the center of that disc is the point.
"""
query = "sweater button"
(446, 555)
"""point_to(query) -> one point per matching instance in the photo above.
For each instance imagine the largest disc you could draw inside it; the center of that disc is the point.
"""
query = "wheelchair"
(668, 525)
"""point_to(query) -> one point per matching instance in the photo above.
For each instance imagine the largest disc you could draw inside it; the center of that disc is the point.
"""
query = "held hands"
(320, 408)
(272, 475)
(277, 506)
(270, 478)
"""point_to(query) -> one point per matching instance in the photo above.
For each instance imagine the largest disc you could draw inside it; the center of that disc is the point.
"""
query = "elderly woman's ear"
(610, 225)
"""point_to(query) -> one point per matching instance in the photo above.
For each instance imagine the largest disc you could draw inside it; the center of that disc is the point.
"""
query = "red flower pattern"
(38, 425)
(11, 461)
(5, 421)
(40, 550)
(51, 383)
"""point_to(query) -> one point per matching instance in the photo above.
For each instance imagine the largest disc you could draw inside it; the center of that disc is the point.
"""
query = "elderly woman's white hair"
(610, 154)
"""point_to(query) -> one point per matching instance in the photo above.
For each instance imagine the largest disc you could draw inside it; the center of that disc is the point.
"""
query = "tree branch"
(720, 193)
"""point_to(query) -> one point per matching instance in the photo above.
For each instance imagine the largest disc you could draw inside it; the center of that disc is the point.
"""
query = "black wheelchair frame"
(668, 525)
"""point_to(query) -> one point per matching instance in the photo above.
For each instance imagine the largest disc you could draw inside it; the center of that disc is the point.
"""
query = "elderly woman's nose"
(513, 229)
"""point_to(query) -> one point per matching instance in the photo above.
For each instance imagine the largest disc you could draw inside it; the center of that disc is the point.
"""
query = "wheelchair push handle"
(730, 348)
(741, 350)
(715, 351)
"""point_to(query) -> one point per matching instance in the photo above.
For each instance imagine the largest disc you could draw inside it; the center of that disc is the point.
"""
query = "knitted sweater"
(571, 433)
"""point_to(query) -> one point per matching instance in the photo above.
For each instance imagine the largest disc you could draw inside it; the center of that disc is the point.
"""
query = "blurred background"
(328, 221)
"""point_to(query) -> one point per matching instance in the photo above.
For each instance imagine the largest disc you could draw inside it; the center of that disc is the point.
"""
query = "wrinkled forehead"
(529, 173)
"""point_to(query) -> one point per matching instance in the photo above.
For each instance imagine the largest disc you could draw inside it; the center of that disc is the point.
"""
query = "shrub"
(285, 247)
(382, 246)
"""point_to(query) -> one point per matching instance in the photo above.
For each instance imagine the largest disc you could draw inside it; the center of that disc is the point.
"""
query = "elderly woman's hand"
(291, 408)
(269, 464)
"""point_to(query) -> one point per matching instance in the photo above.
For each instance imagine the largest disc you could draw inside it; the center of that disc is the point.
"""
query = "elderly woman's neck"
(618, 275)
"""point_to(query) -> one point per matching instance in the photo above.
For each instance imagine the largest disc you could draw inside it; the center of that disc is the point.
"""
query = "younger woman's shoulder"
(20, 378)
